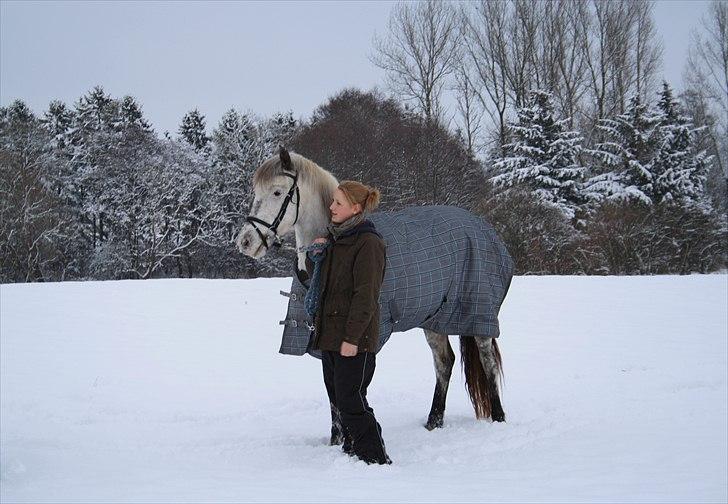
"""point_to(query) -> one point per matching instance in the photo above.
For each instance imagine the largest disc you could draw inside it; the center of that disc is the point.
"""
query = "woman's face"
(341, 209)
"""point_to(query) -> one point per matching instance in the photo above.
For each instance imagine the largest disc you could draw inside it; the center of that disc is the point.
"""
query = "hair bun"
(356, 192)
(373, 198)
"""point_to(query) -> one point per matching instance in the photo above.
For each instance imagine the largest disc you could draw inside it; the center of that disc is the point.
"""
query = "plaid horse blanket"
(447, 270)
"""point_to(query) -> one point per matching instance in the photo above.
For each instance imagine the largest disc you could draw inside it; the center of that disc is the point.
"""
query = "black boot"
(376, 460)
(373, 455)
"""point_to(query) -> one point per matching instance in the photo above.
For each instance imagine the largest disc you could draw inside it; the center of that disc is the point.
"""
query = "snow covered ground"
(173, 390)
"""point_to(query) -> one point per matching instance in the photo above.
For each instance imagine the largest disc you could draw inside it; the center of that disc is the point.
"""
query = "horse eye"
(277, 193)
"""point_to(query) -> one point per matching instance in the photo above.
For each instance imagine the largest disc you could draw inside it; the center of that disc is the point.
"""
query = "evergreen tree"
(96, 111)
(237, 154)
(234, 137)
(58, 121)
(542, 156)
(279, 130)
(131, 114)
(193, 131)
(707, 138)
(18, 123)
(93, 139)
(241, 142)
(679, 170)
(627, 154)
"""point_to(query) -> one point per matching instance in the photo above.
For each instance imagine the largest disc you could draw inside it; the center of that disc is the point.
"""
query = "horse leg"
(490, 359)
(337, 431)
(482, 366)
(444, 359)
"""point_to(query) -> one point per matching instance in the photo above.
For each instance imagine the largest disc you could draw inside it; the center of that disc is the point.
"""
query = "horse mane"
(321, 181)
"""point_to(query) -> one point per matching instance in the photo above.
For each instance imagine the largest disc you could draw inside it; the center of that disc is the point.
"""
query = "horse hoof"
(431, 425)
(499, 417)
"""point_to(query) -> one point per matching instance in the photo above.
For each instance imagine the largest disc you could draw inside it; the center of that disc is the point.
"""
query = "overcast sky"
(259, 56)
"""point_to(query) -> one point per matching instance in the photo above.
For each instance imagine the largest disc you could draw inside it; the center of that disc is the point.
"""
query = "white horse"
(292, 193)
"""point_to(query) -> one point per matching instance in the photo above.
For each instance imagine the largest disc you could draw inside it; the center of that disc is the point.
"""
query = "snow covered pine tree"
(542, 156)
(679, 171)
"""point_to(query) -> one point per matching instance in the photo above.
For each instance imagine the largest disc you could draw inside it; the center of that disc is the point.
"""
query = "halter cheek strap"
(281, 213)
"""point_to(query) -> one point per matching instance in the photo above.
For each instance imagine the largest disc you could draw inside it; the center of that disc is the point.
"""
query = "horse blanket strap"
(292, 321)
(297, 338)
(291, 295)
(296, 323)
(447, 270)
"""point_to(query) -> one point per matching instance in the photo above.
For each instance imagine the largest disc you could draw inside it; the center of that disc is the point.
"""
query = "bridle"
(274, 225)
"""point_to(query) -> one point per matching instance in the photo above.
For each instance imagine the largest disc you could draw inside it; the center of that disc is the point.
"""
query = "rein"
(274, 225)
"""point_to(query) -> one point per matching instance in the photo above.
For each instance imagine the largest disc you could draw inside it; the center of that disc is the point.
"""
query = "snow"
(173, 390)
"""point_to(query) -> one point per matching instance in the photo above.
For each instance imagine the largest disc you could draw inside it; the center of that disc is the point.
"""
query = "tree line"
(560, 137)
(92, 192)
(561, 101)
(593, 57)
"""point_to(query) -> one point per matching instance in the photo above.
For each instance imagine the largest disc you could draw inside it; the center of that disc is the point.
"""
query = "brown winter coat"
(351, 278)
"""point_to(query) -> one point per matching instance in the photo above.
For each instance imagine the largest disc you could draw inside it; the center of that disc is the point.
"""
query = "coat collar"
(366, 226)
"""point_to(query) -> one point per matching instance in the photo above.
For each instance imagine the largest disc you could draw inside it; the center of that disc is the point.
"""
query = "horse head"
(289, 190)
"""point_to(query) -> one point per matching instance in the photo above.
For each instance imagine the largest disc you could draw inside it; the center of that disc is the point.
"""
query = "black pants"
(346, 380)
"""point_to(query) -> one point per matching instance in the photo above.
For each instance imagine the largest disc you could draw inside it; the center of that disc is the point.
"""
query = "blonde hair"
(356, 192)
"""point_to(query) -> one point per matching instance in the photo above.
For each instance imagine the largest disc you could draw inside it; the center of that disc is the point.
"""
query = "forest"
(559, 134)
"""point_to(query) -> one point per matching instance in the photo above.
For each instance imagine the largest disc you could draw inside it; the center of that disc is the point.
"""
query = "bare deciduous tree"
(485, 47)
(706, 72)
(622, 55)
(647, 52)
(524, 25)
(591, 55)
(419, 53)
(605, 50)
(561, 61)
(470, 113)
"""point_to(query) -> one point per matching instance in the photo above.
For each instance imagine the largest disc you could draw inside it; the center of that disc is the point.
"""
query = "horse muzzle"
(250, 244)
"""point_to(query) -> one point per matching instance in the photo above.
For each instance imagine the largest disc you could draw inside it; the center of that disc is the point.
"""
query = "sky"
(264, 57)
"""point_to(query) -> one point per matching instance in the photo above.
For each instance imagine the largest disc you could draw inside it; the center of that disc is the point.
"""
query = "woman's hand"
(318, 240)
(348, 350)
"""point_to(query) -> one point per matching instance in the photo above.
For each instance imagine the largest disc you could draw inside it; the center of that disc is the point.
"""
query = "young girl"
(345, 302)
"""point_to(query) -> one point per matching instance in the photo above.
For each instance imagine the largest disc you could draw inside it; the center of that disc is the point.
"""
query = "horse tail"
(482, 386)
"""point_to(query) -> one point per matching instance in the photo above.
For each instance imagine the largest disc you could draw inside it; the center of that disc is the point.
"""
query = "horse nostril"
(246, 243)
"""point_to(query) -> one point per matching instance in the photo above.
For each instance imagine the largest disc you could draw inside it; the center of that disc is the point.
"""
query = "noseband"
(274, 225)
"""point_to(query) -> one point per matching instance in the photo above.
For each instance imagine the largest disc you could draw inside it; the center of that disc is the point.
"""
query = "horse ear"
(285, 159)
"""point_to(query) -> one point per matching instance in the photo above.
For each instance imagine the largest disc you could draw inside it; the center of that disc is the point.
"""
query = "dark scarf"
(341, 228)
